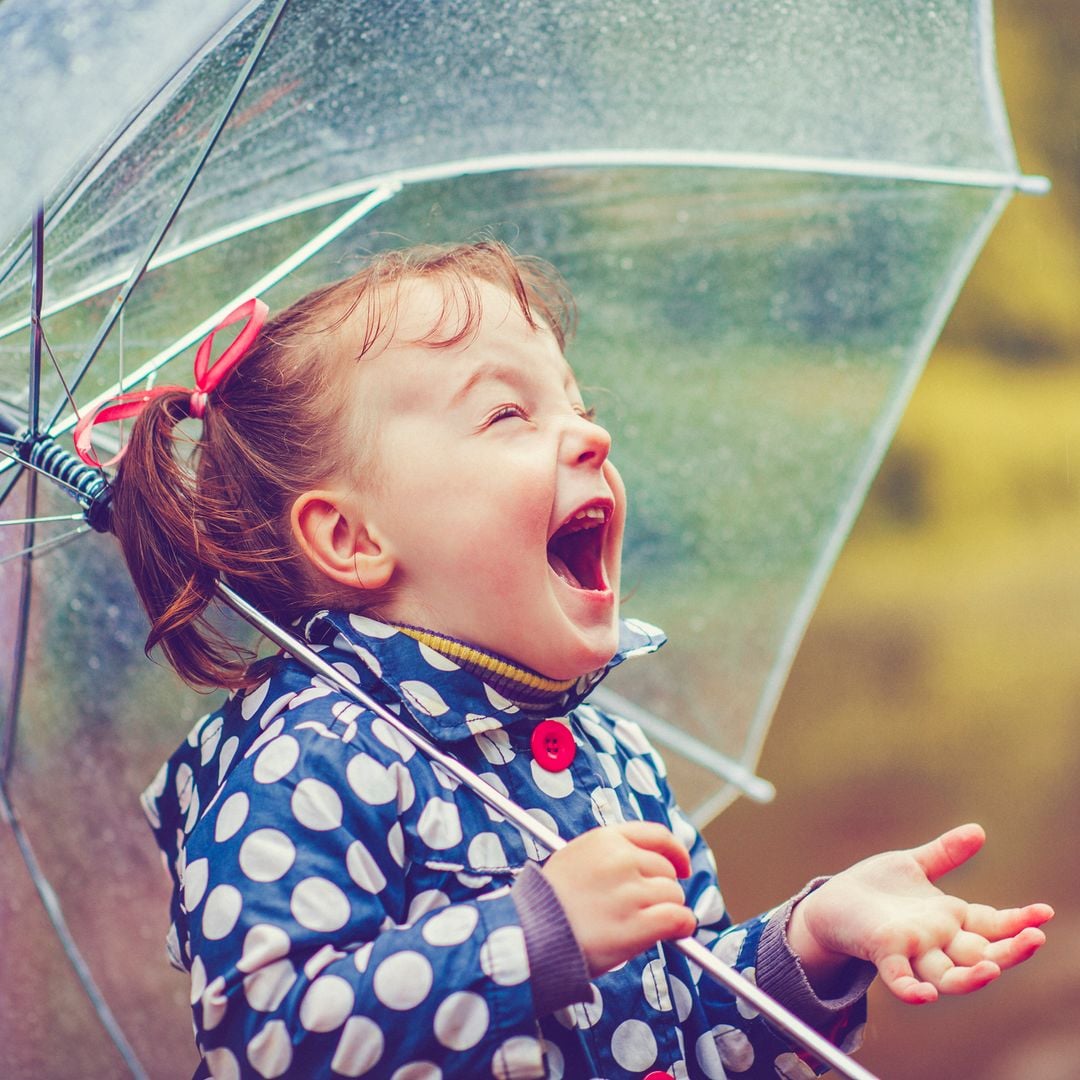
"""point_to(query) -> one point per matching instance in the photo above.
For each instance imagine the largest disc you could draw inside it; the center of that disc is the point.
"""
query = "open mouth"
(575, 550)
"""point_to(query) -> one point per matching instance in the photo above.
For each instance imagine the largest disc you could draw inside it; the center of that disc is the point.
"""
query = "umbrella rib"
(55, 915)
(855, 168)
(166, 223)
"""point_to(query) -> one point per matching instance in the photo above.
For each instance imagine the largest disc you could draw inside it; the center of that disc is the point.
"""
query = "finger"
(1016, 950)
(950, 850)
(667, 921)
(899, 979)
(932, 966)
(963, 979)
(651, 864)
(655, 837)
(996, 924)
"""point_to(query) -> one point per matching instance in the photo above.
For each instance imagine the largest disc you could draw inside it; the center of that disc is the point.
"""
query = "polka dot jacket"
(344, 906)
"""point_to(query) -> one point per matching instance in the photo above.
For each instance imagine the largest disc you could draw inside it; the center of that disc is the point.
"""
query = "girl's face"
(495, 496)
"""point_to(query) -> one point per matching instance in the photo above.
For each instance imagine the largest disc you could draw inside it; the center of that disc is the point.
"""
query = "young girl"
(402, 467)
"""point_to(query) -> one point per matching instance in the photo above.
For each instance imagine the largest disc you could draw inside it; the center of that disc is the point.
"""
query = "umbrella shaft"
(693, 950)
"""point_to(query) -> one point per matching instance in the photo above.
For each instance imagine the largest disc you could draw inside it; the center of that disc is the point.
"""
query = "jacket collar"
(449, 700)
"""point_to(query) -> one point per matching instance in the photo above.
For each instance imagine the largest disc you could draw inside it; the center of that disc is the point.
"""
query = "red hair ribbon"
(208, 377)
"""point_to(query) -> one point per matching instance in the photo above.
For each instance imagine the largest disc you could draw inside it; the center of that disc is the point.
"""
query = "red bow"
(207, 377)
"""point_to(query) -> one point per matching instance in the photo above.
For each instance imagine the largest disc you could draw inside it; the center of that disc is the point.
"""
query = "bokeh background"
(939, 679)
(937, 683)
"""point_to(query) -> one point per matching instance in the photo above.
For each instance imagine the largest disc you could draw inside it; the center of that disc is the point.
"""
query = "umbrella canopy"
(765, 210)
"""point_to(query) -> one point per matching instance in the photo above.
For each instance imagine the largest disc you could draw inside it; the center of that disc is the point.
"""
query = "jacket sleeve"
(742, 1040)
(307, 960)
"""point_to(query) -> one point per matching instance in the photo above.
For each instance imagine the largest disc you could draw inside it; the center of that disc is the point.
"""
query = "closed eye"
(508, 411)
(587, 414)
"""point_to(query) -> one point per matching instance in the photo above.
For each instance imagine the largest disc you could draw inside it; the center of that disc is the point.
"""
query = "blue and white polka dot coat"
(343, 904)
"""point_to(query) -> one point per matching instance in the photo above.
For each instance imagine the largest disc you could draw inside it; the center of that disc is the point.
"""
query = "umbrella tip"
(1033, 185)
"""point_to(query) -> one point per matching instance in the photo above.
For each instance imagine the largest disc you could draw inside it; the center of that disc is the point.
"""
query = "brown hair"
(187, 511)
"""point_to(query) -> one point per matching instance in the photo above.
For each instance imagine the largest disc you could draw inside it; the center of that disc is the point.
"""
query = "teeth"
(592, 513)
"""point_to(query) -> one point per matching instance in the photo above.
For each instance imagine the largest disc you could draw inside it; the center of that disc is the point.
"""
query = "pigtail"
(159, 519)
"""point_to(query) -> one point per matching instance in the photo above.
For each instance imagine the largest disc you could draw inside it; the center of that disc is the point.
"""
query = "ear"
(331, 532)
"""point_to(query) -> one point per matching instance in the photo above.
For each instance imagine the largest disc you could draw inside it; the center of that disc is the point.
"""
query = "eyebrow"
(496, 372)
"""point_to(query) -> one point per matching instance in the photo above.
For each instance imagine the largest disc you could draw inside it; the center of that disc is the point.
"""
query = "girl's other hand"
(618, 886)
(887, 909)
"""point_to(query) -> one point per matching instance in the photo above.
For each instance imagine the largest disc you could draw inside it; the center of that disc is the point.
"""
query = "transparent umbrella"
(765, 210)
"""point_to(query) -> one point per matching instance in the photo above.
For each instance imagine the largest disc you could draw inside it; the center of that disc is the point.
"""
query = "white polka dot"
(228, 752)
(596, 730)
(605, 804)
(746, 1010)
(440, 825)
(270, 733)
(266, 988)
(633, 1045)
(370, 780)
(406, 789)
(497, 783)
(253, 699)
(729, 946)
(446, 778)
(709, 906)
(498, 701)
(321, 959)
(556, 785)
(424, 697)
(654, 985)
(554, 1060)
(192, 811)
(503, 956)
(222, 1064)
(196, 876)
(270, 1052)
(263, 944)
(611, 769)
(276, 759)
(198, 979)
(684, 1001)
(736, 1050)
(461, 1020)
(368, 658)
(362, 956)
(266, 855)
(684, 832)
(319, 905)
(586, 1013)
(418, 1070)
(221, 912)
(437, 660)
(495, 746)
(403, 980)
(209, 738)
(424, 902)
(360, 1047)
(790, 1066)
(521, 1055)
(327, 1004)
(233, 814)
(641, 778)
(630, 735)
(395, 843)
(363, 868)
(391, 738)
(371, 628)
(451, 926)
(486, 852)
(316, 805)
(214, 1004)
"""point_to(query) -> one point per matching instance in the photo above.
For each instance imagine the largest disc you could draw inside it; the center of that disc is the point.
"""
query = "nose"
(587, 443)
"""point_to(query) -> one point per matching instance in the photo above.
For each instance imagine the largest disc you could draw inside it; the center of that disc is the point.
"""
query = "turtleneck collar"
(452, 688)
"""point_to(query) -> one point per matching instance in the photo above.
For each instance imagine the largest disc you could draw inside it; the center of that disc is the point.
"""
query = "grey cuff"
(781, 975)
(557, 969)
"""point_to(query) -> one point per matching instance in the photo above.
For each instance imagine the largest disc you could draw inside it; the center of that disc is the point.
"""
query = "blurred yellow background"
(939, 681)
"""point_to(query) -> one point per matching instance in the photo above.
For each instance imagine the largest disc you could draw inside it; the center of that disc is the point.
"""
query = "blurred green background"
(939, 679)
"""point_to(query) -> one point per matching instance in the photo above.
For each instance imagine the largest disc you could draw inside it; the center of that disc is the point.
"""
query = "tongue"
(562, 570)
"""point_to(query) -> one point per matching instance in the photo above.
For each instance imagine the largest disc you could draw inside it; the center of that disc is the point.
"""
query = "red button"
(659, 1076)
(552, 745)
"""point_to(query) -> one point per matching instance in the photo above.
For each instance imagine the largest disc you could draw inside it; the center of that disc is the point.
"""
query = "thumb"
(950, 850)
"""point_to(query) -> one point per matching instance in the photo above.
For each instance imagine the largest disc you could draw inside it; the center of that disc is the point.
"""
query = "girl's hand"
(923, 942)
(618, 886)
